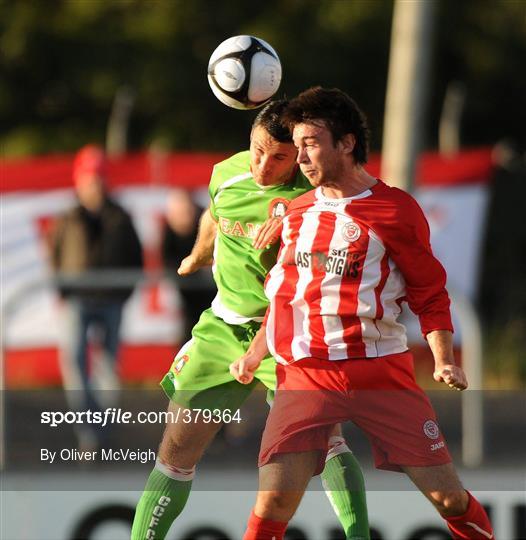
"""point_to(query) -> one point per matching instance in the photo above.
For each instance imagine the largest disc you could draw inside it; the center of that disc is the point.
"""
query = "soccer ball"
(244, 72)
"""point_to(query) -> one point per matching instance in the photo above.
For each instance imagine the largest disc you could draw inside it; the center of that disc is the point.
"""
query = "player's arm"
(243, 368)
(202, 253)
(408, 240)
(446, 371)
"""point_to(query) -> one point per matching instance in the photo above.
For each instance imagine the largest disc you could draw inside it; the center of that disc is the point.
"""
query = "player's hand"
(243, 368)
(269, 233)
(451, 375)
(191, 264)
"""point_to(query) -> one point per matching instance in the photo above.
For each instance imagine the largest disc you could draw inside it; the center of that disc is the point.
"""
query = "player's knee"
(450, 503)
(274, 505)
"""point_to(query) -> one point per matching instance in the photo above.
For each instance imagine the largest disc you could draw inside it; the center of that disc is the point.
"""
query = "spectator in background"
(178, 238)
(91, 246)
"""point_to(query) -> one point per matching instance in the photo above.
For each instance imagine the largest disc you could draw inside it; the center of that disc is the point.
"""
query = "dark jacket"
(175, 247)
(86, 242)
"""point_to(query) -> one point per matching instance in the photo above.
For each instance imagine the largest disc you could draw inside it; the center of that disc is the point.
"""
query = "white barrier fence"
(105, 514)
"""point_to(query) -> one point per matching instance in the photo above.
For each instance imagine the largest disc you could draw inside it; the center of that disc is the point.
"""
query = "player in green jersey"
(249, 192)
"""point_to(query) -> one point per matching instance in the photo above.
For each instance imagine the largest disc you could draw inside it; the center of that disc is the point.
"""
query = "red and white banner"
(453, 193)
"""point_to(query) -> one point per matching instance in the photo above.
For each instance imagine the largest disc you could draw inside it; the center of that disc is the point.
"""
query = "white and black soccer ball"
(244, 72)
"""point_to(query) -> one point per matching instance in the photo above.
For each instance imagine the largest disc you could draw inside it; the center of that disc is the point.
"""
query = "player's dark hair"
(339, 111)
(270, 118)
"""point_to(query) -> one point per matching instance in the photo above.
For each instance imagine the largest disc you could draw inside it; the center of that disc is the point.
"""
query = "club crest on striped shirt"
(351, 231)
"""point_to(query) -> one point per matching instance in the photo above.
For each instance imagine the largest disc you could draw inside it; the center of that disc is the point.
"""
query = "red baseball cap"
(90, 159)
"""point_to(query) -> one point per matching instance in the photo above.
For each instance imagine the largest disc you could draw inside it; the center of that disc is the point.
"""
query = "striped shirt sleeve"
(407, 240)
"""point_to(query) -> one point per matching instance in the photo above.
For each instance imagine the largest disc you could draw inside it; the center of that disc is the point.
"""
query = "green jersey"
(240, 207)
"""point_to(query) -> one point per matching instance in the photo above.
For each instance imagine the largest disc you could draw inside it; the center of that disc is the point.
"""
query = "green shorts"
(199, 376)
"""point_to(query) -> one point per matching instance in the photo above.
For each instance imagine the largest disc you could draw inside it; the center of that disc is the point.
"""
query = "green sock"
(344, 485)
(163, 499)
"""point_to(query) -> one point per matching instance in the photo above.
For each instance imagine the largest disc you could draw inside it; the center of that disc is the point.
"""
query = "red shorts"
(379, 395)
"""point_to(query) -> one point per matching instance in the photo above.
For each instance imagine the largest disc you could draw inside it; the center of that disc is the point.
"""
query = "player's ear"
(348, 142)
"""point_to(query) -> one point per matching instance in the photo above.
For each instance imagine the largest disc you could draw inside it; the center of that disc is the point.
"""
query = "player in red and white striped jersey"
(344, 268)
(352, 251)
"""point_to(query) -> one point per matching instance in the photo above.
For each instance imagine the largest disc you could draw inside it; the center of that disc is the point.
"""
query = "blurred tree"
(63, 60)
(482, 43)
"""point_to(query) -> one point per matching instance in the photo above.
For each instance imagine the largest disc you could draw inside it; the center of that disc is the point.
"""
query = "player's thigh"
(186, 437)
(192, 425)
(441, 485)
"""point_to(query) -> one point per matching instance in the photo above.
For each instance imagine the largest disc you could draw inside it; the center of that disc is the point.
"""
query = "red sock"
(473, 525)
(264, 529)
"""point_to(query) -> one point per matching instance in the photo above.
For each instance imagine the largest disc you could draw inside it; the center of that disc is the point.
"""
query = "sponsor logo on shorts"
(351, 232)
(431, 429)
(180, 364)
(437, 446)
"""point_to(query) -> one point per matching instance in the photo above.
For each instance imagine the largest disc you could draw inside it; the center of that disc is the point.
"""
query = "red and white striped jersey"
(344, 268)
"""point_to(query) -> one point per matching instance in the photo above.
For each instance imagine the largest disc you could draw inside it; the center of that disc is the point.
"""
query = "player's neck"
(355, 181)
